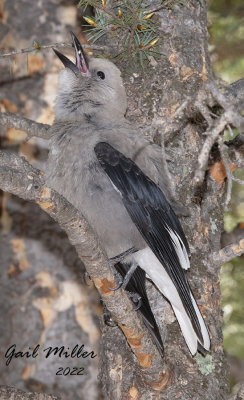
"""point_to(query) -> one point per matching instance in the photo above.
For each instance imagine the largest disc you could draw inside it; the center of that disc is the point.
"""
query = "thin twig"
(240, 181)
(219, 126)
(104, 9)
(178, 113)
(158, 8)
(226, 162)
(236, 119)
(228, 253)
(39, 47)
(218, 96)
(180, 110)
(230, 177)
(203, 109)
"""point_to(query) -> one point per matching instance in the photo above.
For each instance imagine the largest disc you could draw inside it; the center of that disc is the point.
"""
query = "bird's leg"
(128, 275)
(126, 278)
(121, 256)
(119, 284)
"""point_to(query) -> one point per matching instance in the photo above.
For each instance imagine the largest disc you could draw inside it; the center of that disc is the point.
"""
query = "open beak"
(81, 64)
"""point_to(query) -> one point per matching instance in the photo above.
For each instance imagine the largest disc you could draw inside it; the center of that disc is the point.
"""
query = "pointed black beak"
(81, 58)
(67, 63)
(81, 64)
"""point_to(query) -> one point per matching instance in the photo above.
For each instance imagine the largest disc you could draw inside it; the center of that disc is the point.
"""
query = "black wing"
(153, 217)
(137, 285)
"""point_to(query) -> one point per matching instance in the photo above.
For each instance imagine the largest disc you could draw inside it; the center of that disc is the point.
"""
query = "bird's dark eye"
(101, 74)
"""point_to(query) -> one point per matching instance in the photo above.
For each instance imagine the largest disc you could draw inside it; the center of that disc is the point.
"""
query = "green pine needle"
(132, 30)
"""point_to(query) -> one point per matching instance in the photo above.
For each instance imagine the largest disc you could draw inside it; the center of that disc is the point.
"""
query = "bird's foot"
(119, 284)
(85, 277)
(123, 283)
(136, 298)
(107, 315)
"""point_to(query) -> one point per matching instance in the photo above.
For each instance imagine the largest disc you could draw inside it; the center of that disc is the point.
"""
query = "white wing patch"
(179, 248)
(115, 187)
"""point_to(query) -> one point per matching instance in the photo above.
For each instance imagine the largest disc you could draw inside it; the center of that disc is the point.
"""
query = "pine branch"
(132, 26)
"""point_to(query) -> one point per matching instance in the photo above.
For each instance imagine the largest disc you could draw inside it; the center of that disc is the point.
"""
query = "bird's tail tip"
(202, 349)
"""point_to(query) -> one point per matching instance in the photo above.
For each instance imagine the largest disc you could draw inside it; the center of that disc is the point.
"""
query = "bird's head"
(89, 87)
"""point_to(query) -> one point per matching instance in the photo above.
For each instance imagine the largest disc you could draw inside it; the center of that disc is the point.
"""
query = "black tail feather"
(137, 285)
(201, 349)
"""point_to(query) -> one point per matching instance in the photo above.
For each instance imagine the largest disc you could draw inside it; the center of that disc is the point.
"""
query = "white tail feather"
(186, 329)
(154, 269)
(205, 335)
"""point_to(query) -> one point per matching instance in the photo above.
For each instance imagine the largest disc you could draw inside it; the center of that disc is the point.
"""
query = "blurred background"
(226, 46)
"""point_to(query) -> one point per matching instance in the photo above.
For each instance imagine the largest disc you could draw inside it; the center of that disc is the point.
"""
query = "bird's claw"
(136, 308)
(117, 286)
(107, 316)
(136, 298)
(85, 276)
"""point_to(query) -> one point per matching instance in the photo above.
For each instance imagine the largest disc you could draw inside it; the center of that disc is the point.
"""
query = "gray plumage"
(89, 111)
(89, 114)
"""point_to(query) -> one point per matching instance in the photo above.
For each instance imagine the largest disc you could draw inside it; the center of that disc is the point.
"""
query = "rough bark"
(7, 392)
(169, 100)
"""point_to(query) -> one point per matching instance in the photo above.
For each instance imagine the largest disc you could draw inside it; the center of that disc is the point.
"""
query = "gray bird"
(113, 175)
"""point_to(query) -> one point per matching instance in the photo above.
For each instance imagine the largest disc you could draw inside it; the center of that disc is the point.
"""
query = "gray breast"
(74, 172)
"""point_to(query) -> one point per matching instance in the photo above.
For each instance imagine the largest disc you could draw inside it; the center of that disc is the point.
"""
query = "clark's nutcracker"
(113, 175)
